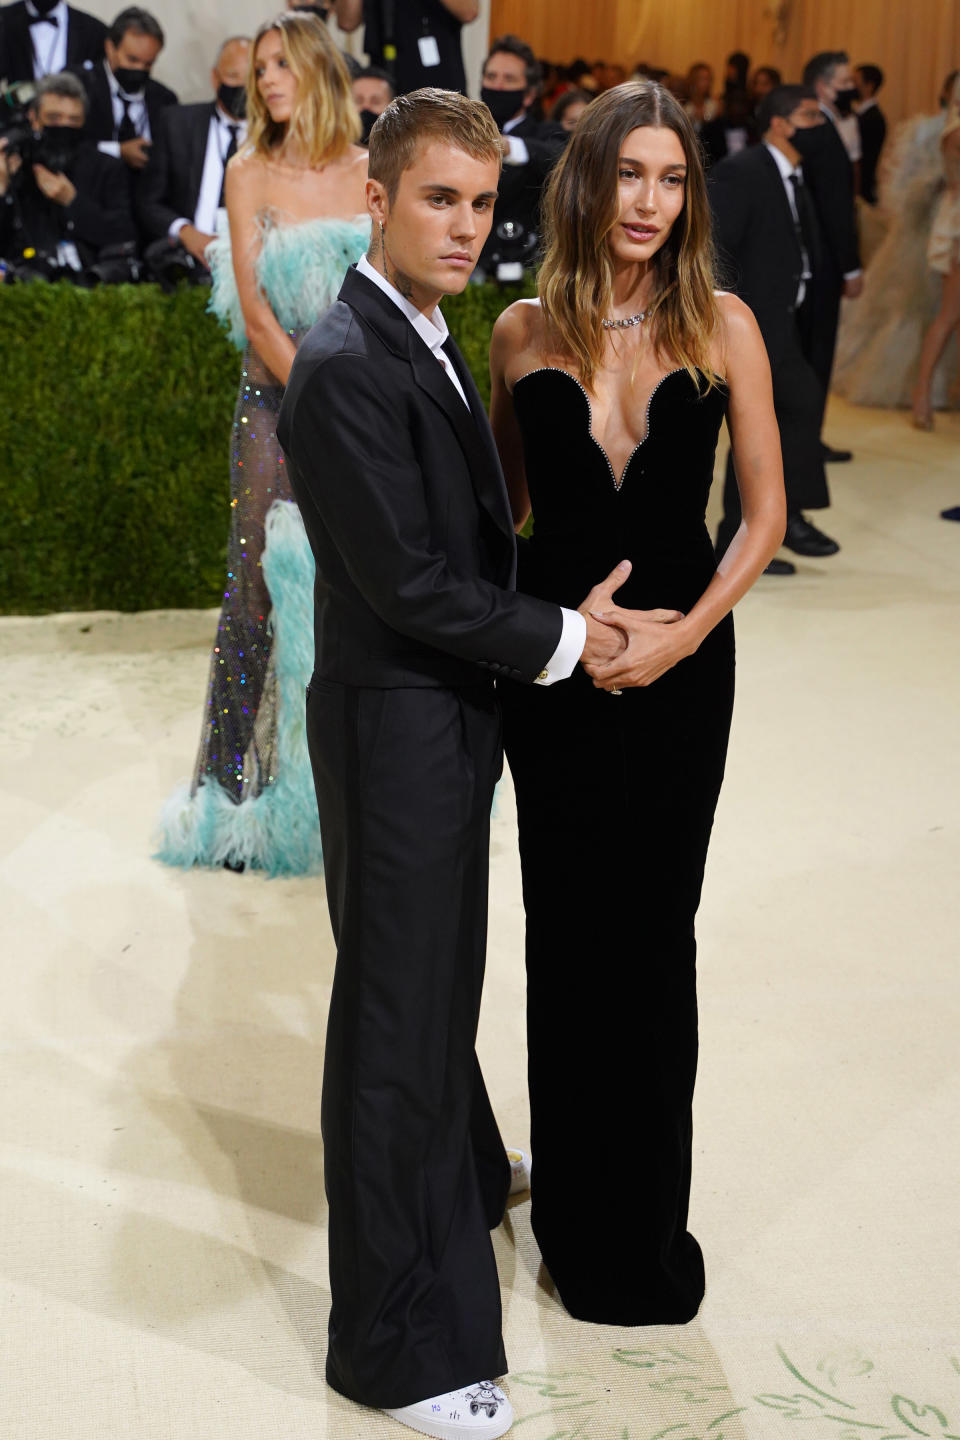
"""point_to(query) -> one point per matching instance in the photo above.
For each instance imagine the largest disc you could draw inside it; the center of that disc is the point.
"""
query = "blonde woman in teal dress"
(295, 198)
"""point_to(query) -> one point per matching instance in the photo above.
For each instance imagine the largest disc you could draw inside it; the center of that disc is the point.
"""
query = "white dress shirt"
(433, 332)
(49, 41)
(211, 182)
(517, 152)
(786, 172)
(137, 106)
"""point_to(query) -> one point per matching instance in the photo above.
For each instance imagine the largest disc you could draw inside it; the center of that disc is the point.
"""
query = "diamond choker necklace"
(627, 323)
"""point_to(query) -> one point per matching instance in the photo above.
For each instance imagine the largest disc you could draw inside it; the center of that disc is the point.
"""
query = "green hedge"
(115, 414)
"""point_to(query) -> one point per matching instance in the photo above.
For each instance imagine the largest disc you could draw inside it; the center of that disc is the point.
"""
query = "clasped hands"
(629, 647)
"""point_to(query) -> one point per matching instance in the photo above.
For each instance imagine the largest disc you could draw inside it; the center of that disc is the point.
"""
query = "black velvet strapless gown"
(616, 797)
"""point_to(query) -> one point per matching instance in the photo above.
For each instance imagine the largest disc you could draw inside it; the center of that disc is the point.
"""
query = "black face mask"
(131, 82)
(808, 143)
(368, 118)
(319, 10)
(233, 99)
(56, 146)
(43, 7)
(843, 100)
(502, 104)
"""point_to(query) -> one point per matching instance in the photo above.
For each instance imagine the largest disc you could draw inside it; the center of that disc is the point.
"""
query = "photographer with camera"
(62, 203)
(510, 86)
(124, 101)
(181, 189)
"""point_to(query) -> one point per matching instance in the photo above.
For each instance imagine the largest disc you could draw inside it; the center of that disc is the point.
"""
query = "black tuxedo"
(85, 37)
(100, 123)
(759, 247)
(170, 185)
(406, 509)
(829, 175)
(98, 217)
(873, 132)
(410, 21)
(521, 186)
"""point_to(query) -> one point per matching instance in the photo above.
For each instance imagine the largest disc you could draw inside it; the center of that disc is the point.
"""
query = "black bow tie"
(43, 20)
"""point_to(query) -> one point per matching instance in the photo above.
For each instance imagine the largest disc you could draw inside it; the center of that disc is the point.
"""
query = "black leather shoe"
(835, 457)
(805, 539)
(952, 514)
(780, 567)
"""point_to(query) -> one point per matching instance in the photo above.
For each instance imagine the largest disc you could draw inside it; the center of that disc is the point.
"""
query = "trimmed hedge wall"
(115, 414)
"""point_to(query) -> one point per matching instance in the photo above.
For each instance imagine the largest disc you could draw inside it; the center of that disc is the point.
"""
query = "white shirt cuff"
(853, 274)
(563, 661)
(110, 147)
(517, 152)
(176, 227)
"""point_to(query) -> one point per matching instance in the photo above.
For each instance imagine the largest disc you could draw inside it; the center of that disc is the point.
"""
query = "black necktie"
(43, 20)
(807, 221)
(231, 151)
(127, 131)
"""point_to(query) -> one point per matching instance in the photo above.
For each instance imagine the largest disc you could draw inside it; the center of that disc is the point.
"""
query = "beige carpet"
(162, 1221)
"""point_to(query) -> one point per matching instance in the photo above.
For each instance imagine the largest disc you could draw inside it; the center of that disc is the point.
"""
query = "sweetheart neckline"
(558, 370)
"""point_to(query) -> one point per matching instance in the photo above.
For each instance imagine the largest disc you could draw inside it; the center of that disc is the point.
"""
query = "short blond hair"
(429, 115)
(325, 120)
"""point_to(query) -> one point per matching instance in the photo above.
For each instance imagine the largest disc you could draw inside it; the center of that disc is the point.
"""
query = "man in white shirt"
(394, 466)
(509, 88)
(125, 102)
(181, 193)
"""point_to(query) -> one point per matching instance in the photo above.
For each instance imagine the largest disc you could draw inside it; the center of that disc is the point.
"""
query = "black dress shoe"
(835, 457)
(952, 514)
(780, 567)
(805, 539)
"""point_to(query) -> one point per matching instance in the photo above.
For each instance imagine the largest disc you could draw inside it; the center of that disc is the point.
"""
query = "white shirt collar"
(432, 329)
(866, 104)
(512, 124)
(783, 164)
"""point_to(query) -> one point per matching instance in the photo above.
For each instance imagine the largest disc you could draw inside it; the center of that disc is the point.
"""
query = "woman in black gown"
(608, 397)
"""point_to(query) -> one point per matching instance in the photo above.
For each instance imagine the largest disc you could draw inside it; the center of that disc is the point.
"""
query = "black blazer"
(100, 123)
(85, 37)
(829, 174)
(406, 509)
(873, 132)
(99, 216)
(521, 186)
(757, 242)
(170, 185)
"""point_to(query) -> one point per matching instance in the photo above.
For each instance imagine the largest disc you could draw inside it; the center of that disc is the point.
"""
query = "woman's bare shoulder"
(520, 325)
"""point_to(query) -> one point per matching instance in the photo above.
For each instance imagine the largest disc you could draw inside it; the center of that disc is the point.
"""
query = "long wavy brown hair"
(324, 122)
(581, 208)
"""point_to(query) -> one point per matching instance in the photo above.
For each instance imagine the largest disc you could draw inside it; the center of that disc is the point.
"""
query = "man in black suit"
(401, 492)
(768, 241)
(125, 102)
(182, 187)
(873, 128)
(42, 37)
(829, 173)
(70, 209)
(509, 88)
(418, 42)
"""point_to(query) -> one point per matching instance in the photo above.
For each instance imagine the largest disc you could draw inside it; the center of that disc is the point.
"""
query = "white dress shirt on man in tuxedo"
(223, 128)
(134, 105)
(48, 36)
(791, 174)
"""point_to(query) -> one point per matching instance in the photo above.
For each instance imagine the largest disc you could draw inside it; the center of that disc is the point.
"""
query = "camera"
(512, 251)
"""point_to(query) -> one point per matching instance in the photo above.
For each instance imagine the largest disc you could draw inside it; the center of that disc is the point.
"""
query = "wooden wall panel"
(915, 41)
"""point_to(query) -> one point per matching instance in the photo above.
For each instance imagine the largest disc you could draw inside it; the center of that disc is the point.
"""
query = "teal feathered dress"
(251, 799)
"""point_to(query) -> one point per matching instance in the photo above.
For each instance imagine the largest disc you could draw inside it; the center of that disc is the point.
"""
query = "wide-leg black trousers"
(415, 1169)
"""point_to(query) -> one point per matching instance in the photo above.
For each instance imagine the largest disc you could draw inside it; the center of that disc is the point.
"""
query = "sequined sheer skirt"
(251, 800)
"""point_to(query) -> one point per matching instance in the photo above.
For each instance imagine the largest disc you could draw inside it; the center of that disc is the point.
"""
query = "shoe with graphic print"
(477, 1412)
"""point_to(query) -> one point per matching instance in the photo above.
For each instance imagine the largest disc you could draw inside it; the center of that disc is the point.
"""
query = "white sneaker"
(519, 1171)
(478, 1412)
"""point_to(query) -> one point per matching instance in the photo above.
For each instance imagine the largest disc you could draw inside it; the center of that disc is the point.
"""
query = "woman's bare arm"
(245, 195)
(509, 336)
(653, 649)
